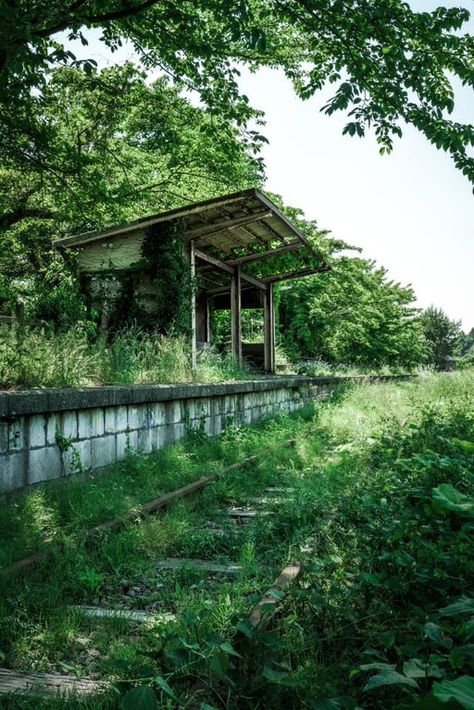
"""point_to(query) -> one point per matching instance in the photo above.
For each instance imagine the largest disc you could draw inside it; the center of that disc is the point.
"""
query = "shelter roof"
(234, 229)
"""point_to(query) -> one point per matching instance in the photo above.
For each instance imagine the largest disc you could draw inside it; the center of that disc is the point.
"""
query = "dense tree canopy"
(353, 314)
(83, 148)
(389, 64)
(118, 148)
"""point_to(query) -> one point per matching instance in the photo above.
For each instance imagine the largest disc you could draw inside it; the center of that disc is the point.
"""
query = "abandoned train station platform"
(237, 247)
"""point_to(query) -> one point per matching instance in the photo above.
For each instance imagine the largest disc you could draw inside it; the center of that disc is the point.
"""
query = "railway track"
(231, 526)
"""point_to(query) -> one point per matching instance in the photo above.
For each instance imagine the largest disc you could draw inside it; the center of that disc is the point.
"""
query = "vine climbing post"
(192, 264)
(235, 308)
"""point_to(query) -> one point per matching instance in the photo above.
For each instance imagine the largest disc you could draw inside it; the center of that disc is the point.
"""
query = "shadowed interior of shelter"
(236, 246)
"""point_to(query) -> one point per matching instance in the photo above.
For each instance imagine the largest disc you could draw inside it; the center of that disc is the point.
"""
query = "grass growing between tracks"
(381, 514)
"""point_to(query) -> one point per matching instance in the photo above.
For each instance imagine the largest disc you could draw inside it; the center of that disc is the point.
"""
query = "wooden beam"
(251, 280)
(279, 237)
(249, 298)
(288, 275)
(226, 224)
(192, 264)
(269, 330)
(253, 236)
(215, 262)
(292, 246)
(278, 213)
(235, 315)
(229, 269)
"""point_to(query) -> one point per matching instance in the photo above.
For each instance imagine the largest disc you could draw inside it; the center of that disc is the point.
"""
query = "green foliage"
(443, 336)
(141, 698)
(382, 616)
(467, 344)
(461, 690)
(116, 148)
(40, 357)
(390, 64)
(352, 315)
(171, 276)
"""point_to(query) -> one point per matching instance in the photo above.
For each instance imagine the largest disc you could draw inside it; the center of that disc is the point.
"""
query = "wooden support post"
(208, 319)
(235, 308)
(192, 264)
(269, 329)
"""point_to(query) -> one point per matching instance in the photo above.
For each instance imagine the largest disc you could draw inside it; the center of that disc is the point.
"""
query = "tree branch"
(8, 219)
(123, 12)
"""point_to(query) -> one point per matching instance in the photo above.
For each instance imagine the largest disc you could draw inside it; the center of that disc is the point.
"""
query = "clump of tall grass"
(135, 356)
(41, 357)
(38, 357)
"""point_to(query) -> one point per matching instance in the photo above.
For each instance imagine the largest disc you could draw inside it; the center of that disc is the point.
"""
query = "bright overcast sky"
(412, 211)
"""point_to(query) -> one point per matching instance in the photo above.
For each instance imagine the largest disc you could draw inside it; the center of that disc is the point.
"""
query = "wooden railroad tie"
(47, 684)
(273, 597)
(175, 563)
(137, 615)
(150, 507)
(248, 513)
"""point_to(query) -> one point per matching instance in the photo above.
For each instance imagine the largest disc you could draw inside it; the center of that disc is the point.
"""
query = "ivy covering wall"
(154, 293)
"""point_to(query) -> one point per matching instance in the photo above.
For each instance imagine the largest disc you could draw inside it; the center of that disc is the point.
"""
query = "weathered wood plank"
(225, 567)
(46, 684)
(235, 315)
(119, 252)
(248, 513)
(279, 489)
(141, 617)
(192, 267)
(226, 224)
(257, 256)
(272, 596)
(265, 500)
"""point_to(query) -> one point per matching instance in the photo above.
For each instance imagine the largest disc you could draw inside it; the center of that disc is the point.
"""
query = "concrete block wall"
(48, 434)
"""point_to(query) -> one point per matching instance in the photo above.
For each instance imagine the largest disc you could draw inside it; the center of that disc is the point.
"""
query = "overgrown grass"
(40, 357)
(316, 367)
(386, 544)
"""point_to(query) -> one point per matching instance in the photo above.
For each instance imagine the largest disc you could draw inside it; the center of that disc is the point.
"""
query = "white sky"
(412, 211)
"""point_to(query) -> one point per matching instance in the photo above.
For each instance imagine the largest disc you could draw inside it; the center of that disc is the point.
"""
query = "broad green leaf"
(464, 605)
(278, 677)
(342, 703)
(246, 628)
(377, 667)
(414, 668)
(219, 663)
(455, 659)
(461, 690)
(389, 677)
(228, 648)
(141, 698)
(435, 634)
(467, 446)
(447, 497)
(165, 687)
